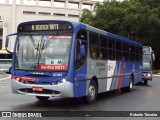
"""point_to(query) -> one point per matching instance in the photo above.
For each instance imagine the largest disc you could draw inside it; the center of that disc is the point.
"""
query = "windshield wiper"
(41, 47)
(48, 42)
(32, 41)
(37, 51)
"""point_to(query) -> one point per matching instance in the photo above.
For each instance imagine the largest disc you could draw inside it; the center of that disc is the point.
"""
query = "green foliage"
(135, 19)
(86, 17)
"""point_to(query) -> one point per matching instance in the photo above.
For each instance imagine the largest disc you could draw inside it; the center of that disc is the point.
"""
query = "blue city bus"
(148, 60)
(69, 59)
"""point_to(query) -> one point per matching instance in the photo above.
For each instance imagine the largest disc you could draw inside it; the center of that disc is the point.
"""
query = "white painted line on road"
(5, 78)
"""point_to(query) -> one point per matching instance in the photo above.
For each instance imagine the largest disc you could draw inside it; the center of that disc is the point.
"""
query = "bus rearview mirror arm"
(7, 40)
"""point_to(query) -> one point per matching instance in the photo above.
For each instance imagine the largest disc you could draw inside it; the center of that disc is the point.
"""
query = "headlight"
(61, 81)
(149, 75)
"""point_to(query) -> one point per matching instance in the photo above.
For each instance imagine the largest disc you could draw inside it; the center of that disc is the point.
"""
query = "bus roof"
(93, 29)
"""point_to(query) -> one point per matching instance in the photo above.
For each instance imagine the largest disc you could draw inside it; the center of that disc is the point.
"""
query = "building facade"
(13, 12)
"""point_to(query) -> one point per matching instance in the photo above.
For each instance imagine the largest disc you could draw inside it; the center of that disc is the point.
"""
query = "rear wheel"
(130, 87)
(42, 98)
(92, 92)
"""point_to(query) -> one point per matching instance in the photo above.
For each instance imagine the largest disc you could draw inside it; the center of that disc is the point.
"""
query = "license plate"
(39, 89)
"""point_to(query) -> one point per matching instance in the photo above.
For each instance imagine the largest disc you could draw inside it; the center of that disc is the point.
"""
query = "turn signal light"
(19, 78)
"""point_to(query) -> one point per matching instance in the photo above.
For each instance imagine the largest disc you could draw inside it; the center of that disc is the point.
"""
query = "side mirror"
(6, 44)
(82, 51)
(7, 41)
(153, 56)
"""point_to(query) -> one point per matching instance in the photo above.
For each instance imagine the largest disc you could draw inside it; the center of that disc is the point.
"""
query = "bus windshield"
(43, 52)
(147, 62)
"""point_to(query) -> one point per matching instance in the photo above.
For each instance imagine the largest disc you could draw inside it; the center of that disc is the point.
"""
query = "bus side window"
(94, 46)
(81, 39)
(103, 47)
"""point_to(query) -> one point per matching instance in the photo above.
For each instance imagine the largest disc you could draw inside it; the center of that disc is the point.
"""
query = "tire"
(42, 98)
(123, 89)
(130, 87)
(92, 92)
(10, 70)
(145, 82)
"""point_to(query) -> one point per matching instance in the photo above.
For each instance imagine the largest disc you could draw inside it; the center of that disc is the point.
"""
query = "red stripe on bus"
(121, 77)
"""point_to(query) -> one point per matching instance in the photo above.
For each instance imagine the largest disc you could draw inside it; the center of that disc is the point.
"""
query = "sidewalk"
(4, 76)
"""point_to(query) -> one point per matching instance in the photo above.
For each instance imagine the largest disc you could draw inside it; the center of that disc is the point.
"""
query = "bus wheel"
(42, 98)
(130, 87)
(145, 82)
(92, 92)
(10, 70)
(123, 89)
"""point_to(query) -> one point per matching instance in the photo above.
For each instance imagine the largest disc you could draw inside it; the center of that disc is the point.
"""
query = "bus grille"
(45, 91)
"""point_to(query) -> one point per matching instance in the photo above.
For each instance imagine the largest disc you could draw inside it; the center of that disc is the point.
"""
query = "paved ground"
(3, 75)
(142, 98)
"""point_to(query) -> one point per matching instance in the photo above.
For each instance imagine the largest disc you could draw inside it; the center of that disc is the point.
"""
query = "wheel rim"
(91, 91)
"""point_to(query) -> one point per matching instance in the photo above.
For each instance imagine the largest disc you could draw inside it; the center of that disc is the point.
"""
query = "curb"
(5, 78)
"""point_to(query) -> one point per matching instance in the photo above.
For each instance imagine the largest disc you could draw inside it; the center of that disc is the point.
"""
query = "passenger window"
(103, 47)
(119, 55)
(94, 49)
(103, 42)
(111, 54)
(111, 44)
(119, 46)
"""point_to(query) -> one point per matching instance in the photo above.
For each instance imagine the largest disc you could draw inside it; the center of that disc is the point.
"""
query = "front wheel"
(145, 82)
(10, 70)
(92, 92)
(42, 98)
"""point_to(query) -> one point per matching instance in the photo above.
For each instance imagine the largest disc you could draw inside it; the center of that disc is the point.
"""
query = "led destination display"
(31, 27)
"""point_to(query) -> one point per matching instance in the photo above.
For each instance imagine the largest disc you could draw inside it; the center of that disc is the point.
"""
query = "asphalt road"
(142, 98)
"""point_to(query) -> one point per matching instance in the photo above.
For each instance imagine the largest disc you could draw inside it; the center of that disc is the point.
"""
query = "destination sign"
(45, 27)
(33, 26)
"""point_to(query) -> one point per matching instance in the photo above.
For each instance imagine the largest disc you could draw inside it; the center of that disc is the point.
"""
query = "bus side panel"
(138, 72)
(80, 81)
(116, 79)
(122, 75)
(97, 69)
(128, 66)
(131, 68)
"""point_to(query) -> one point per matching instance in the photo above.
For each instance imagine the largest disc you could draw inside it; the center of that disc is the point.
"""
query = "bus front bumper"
(63, 89)
(147, 77)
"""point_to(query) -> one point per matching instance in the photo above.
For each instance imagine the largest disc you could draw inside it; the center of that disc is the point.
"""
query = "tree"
(135, 19)
(126, 18)
(86, 17)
